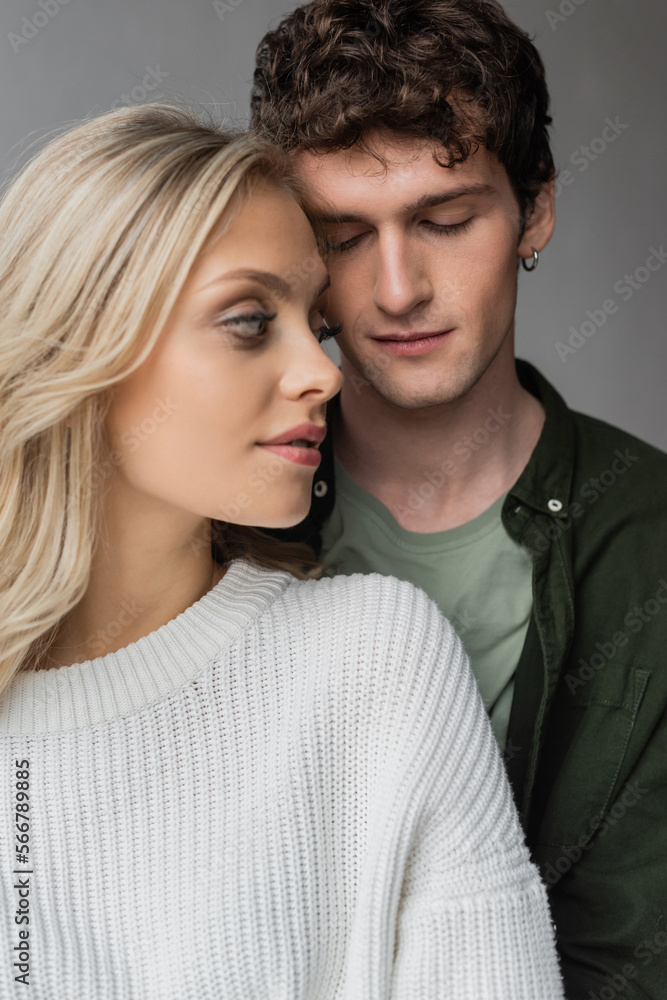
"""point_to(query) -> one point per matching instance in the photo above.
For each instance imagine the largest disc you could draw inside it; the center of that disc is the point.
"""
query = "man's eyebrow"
(266, 278)
(426, 201)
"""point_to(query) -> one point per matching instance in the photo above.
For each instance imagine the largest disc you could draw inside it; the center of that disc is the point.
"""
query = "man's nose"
(401, 280)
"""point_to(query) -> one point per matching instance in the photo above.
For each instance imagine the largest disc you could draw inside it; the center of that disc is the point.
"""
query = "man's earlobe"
(540, 224)
(536, 260)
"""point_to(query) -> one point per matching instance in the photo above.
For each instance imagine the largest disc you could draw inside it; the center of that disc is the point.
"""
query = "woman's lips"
(420, 346)
(295, 453)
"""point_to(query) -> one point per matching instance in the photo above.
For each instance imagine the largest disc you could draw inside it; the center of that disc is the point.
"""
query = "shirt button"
(320, 488)
(555, 506)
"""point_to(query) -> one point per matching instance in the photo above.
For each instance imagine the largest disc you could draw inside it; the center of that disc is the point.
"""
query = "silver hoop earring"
(536, 260)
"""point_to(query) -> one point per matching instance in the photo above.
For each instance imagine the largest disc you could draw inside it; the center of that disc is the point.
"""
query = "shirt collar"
(546, 482)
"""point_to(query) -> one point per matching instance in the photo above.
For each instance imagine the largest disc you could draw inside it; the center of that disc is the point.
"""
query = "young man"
(420, 127)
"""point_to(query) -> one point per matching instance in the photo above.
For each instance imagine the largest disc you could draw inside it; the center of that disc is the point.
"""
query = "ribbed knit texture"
(289, 791)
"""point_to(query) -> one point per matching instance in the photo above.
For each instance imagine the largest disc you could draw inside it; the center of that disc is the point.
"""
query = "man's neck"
(439, 467)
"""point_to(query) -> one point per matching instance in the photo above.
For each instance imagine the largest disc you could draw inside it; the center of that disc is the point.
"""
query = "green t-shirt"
(478, 576)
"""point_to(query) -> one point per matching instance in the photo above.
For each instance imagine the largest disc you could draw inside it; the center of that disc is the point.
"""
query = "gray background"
(604, 59)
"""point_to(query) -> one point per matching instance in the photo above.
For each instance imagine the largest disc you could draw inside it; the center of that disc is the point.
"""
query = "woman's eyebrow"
(266, 278)
(271, 281)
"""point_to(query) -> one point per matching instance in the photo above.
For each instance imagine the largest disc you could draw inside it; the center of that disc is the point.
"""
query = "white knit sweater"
(290, 791)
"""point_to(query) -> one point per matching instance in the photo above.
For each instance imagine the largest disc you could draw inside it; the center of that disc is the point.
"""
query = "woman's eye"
(249, 325)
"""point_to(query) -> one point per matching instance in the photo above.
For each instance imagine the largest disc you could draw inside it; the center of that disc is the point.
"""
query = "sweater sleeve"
(452, 906)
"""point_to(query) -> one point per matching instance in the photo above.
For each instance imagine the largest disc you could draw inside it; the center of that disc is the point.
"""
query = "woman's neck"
(97, 627)
(150, 562)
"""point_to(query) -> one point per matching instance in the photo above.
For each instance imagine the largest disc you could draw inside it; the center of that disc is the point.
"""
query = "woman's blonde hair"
(98, 235)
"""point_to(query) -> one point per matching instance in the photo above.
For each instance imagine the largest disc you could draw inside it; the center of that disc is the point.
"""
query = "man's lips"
(419, 335)
(412, 343)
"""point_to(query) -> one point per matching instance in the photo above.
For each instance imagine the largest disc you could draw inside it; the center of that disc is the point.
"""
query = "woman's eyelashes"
(326, 331)
(247, 325)
(254, 326)
(441, 229)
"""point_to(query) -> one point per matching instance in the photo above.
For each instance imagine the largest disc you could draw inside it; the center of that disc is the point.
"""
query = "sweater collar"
(110, 687)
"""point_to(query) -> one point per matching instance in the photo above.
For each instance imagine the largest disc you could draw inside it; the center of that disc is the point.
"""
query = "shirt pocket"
(596, 764)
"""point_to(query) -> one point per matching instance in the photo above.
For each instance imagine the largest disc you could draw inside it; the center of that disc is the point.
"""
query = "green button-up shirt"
(586, 749)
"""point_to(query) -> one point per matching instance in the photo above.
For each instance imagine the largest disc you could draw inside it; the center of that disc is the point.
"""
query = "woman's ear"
(541, 221)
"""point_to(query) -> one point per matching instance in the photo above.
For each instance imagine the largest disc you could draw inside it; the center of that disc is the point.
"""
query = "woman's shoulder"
(381, 649)
(386, 600)
(376, 617)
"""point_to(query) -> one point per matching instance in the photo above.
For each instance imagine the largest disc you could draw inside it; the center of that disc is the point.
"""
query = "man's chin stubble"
(408, 394)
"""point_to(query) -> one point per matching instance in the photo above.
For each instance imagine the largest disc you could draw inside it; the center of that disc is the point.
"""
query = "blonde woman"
(223, 776)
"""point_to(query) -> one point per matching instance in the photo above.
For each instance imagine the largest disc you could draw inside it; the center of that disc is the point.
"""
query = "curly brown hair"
(457, 71)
